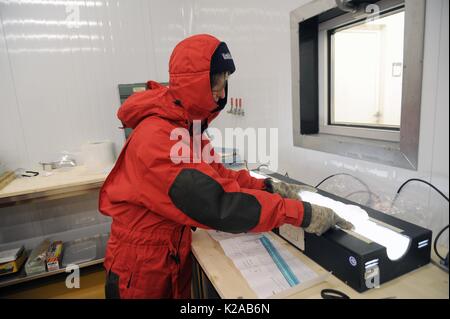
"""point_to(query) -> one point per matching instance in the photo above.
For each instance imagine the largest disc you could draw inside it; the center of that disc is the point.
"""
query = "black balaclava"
(222, 61)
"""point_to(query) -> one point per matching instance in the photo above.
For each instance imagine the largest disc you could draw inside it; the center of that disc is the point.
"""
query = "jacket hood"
(155, 101)
(190, 70)
(189, 96)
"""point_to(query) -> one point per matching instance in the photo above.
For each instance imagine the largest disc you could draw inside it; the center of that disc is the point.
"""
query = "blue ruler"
(284, 268)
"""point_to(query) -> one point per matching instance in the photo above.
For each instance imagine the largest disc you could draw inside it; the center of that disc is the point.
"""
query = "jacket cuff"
(268, 185)
(294, 212)
(307, 213)
(260, 184)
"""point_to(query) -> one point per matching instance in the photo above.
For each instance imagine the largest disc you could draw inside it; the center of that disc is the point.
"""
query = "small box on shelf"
(54, 256)
(12, 260)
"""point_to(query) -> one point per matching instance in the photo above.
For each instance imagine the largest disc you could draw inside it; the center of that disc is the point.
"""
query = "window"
(362, 66)
(357, 79)
(366, 73)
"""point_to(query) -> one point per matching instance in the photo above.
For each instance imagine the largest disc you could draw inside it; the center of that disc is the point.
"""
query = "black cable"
(364, 192)
(436, 240)
(421, 180)
(359, 180)
(440, 193)
(346, 174)
(333, 294)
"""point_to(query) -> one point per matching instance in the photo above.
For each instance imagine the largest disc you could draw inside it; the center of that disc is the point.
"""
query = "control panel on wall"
(236, 106)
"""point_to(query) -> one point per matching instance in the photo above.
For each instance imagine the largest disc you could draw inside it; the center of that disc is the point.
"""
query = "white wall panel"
(58, 85)
(12, 141)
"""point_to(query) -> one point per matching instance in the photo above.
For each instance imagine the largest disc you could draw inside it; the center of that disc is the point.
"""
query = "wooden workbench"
(58, 183)
(426, 282)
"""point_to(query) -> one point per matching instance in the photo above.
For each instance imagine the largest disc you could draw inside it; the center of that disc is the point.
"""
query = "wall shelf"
(21, 277)
(61, 183)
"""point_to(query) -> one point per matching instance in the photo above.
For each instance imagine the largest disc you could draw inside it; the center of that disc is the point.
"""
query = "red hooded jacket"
(151, 199)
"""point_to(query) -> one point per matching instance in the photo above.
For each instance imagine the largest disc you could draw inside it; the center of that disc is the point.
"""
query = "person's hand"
(323, 218)
(287, 190)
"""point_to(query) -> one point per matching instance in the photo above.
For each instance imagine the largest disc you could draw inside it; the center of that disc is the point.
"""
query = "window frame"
(326, 77)
(393, 148)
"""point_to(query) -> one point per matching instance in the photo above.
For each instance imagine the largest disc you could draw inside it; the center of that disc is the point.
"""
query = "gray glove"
(316, 219)
(319, 219)
(287, 190)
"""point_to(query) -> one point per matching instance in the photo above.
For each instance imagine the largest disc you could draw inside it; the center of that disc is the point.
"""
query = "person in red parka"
(154, 200)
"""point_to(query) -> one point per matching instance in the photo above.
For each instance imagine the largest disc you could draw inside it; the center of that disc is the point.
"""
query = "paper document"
(258, 267)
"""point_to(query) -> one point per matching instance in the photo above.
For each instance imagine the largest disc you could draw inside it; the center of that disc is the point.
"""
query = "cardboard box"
(54, 256)
(13, 266)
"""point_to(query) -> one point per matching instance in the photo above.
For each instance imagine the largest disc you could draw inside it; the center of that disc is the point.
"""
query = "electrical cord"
(419, 180)
(337, 294)
(440, 193)
(346, 174)
(359, 180)
(436, 241)
(364, 192)
(333, 294)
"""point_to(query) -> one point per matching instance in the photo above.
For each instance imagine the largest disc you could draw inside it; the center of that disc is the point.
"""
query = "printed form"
(260, 268)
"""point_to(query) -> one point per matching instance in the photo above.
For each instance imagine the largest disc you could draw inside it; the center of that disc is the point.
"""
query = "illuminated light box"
(396, 244)
(380, 248)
